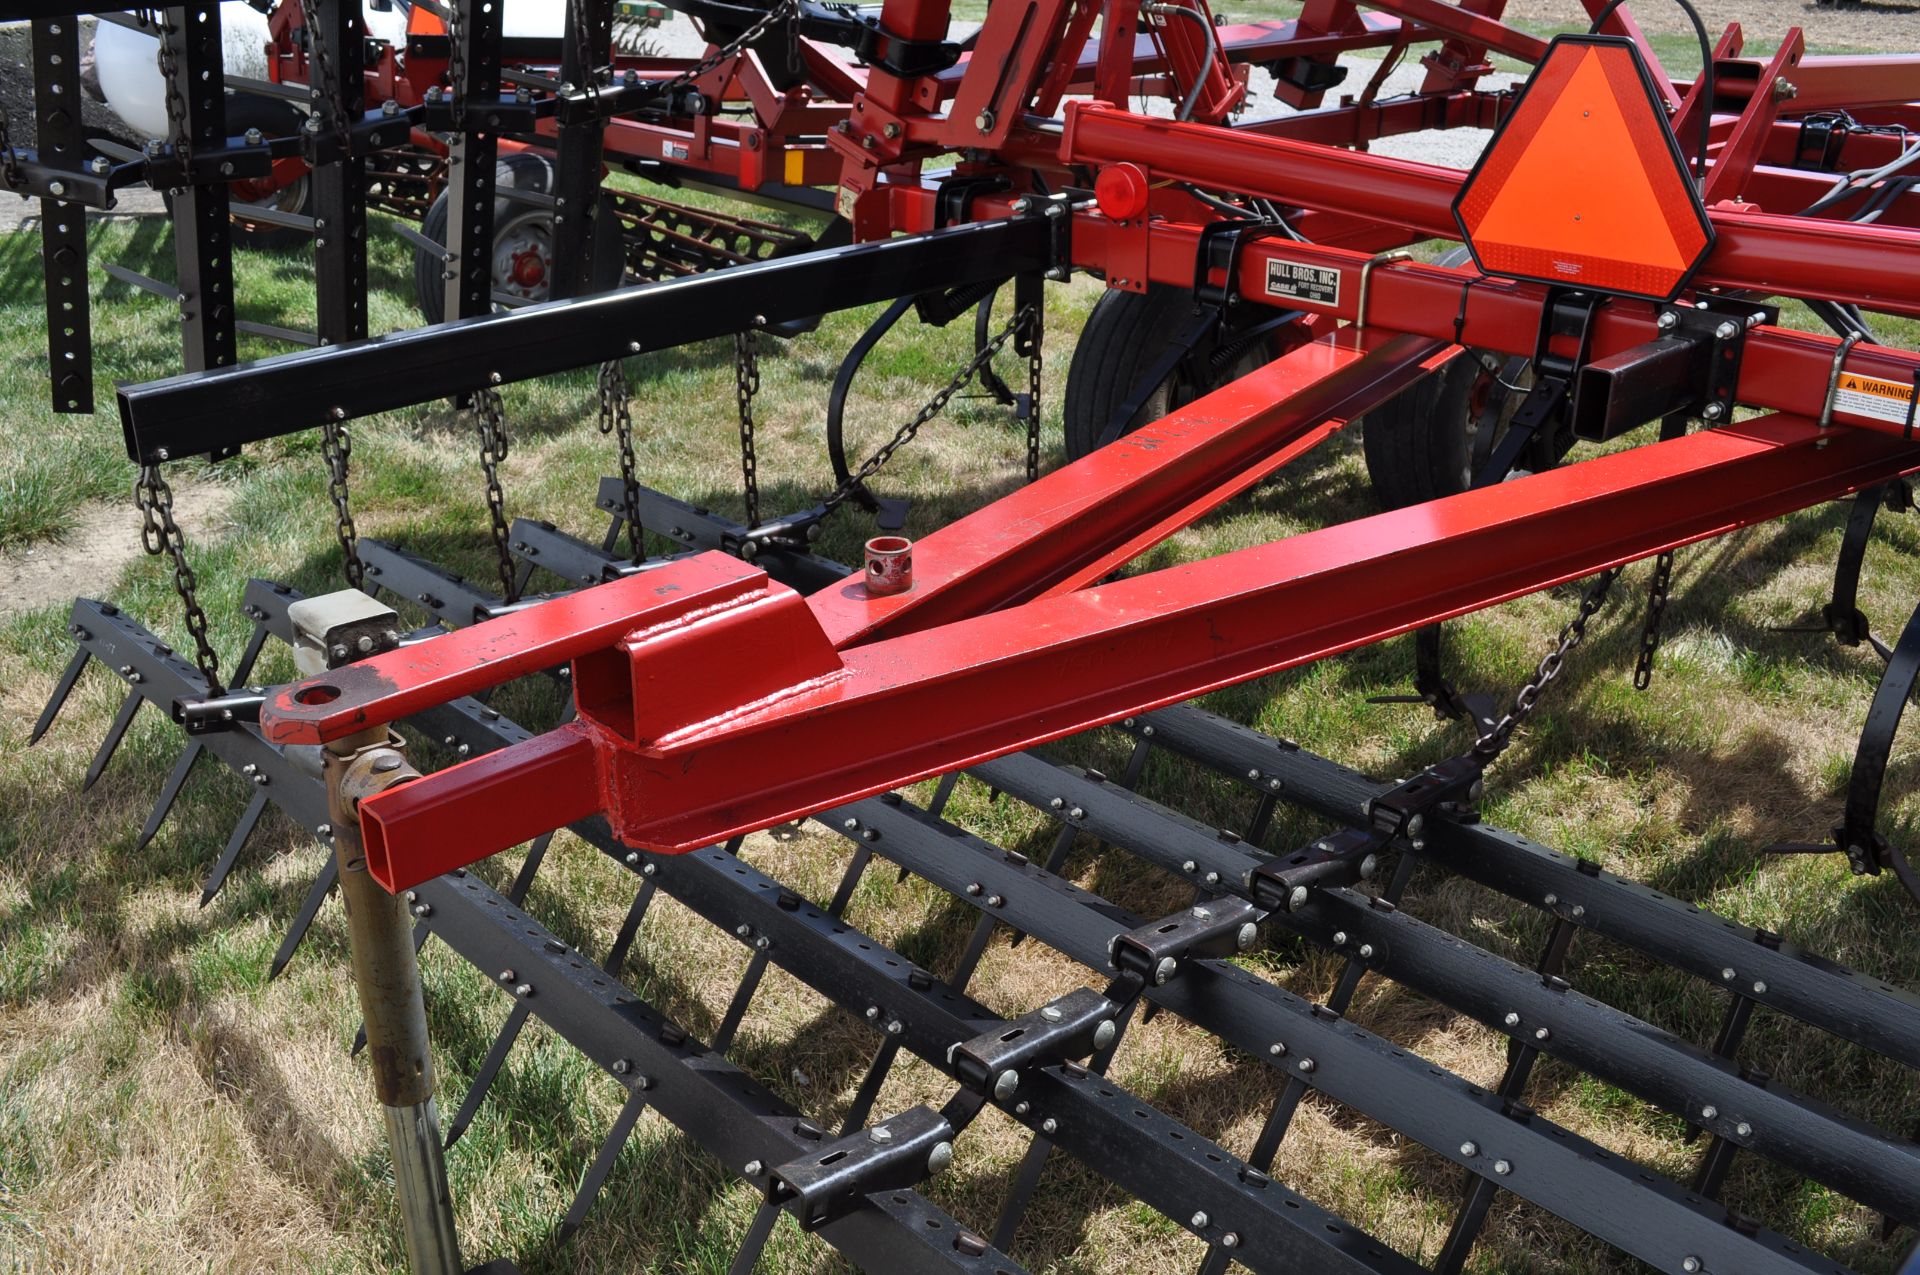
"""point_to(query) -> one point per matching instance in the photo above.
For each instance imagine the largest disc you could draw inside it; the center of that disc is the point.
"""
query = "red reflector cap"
(1121, 191)
(1583, 186)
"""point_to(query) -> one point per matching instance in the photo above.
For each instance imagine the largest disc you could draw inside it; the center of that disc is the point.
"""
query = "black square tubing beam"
(1747, 961)
(729, 1114)
(1614, 1199)
(1853, 1157)
(213, 411)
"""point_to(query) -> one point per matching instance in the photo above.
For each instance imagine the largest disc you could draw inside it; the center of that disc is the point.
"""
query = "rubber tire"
(1416, 446)
(520, 170)
(1125, 333)
(274, 118)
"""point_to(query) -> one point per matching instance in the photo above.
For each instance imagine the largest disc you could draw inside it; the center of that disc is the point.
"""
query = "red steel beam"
(862, 720)
(1083, 520)
(1874, 266)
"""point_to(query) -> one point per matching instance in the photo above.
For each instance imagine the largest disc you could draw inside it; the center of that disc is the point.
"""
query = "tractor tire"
(1426, 441)
(523, 232)
(274, 118)
(1125, 333)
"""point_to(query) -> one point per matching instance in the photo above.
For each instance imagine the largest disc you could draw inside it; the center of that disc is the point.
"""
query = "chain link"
(176, 105)
(746, 384)
(456, 65)
(616, 418)
(323, 86)
(783, 10)
(9, 158)
(1500, 734)
(583, 49)
(1650, 631)
(491, 422)
(159, 534)
(1035, 361)
(336, 447)
(932, 408)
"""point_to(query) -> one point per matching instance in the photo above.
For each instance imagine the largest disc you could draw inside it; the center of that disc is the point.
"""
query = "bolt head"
(1339, 938)
(1103, 1034)
(1366, 951)
(1502, 1167)
(984, 121)
(1743, 1129)
(1305, 1065)
(1469, 1149)
(1727, 331)
(754, 1168)
(1297, 898)
(1512, 1019)
(1049, 1125)
(1714, 411)
(940, 1157)
(1248, 933)
(1051, 1014)
(1164, 970)
(1199, 1221)
(1709, 1112)
(1005, 1084)
(1690, 1264)
(523, 990)
(1278, 1048)
(880, 1134)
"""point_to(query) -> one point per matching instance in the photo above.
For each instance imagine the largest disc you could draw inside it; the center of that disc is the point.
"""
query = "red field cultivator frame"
(1630, 241)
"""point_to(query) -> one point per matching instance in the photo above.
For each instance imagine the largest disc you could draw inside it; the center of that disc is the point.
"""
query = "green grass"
(162, 1107)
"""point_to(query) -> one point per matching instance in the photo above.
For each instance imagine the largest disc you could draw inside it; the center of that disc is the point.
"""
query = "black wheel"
(288, 188)
(1432, 438)
(1126, 332)
(522, 241)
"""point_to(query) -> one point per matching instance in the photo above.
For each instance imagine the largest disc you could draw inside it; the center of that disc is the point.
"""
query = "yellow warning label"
(1871, 397)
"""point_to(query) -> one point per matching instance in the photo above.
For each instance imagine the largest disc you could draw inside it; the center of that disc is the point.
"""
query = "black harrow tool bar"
(858, 1187)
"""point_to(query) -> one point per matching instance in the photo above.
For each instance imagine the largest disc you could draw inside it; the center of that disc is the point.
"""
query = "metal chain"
(323, 85)
(491, 423)
(9, 158)
(1500, 734)
(336, 446)
(170, 78)
(932, 408)
(746, 384)
(759, 28)
(456, 64)
(616, 418)
(583, 47)
(159, 534)
(1650, 631)
(1035, 361)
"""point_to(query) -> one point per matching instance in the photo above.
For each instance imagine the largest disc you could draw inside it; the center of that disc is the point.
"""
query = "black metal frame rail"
(214, 411)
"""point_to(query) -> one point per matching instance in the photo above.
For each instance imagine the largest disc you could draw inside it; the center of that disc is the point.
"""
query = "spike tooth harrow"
(1314, 1048)
(653, 747)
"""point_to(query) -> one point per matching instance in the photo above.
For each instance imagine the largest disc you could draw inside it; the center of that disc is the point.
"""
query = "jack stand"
(388, 978)
(331, 631)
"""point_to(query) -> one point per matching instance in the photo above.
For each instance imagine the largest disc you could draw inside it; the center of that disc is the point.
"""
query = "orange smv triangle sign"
(1583, 186)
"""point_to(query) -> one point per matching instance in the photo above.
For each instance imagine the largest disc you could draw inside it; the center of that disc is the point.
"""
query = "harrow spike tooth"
(596, 1175)
(169, 793)
(115, 733)
(860, 1110)
(323, 883)
(1475, 1201)
(746, 1259)
(1880, 648)
(490, 1065)
(359, 1041)
(250, 654)
(943, 793)
(1714, 1165)
(742, 1000)
(629, 928)
(61, 689)
(1020, 1196)
(523, 880)
(849, 880)
(242, 830)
